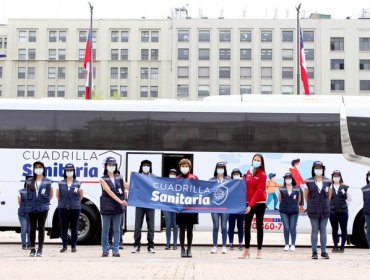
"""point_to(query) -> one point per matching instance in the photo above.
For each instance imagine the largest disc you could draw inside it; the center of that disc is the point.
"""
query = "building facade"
(186, 59)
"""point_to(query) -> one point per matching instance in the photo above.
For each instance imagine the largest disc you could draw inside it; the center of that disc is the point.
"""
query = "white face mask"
(172, 176)
(256, 164)
(39, 171)
(318, 172)
(288, 181)
(111, 169)
(184, 170)
(220, 171)
(236, 177)
(336, 179)
(69, 173)
(146, 169)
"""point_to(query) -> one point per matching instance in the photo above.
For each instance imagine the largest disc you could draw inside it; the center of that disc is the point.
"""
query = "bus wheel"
(358, 237)
(88, 225)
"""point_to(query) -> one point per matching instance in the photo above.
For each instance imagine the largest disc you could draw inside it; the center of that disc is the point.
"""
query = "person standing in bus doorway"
(140, 212)
(236, 218)
(69, 194)
(219, 176)
(23, 210)
(112, 205)
(318, 193)
(289, 198)
(256, 203)
(339, 202)
(271, 187)
(366, 208)
(186, 221)
(40, 192)
(170, 218)
(294, 170)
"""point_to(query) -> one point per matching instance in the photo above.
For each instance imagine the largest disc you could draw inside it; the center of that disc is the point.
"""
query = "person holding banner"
(186, 221)
(219, 176)
(256, 203)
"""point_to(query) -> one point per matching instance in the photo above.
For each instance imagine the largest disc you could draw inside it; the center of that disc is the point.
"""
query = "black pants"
(340, 219)
(69, 217)
(37, 221)
(189, 231)
(139, 219)
(259, 209)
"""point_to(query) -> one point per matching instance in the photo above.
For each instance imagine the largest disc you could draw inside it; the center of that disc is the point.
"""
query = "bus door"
(133, 161)
(172, 161)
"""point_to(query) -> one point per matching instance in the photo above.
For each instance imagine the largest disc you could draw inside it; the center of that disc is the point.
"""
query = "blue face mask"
(256, 164)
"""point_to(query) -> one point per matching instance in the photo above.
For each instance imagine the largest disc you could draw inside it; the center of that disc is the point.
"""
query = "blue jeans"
(105, 232)
(318, 224)
(170, 218)
(367, 219)
(290, 227)
(216, 225)
(239, 218)
(25, 229)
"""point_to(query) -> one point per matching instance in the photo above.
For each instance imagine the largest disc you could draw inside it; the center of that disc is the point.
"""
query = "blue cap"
(236, 170)
(272, 175)
(69, 166)
(318, 163)
(172, 170)
(336, 172)
(111, 160)
(221, 164)
(288, 175)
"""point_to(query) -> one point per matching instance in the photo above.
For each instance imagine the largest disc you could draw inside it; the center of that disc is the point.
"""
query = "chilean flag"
(88, 64)
(302, 59)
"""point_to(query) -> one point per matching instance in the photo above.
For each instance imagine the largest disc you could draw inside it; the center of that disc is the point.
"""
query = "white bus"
(334, 130)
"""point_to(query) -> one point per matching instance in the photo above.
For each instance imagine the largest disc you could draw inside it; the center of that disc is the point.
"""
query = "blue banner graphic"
(187, 196)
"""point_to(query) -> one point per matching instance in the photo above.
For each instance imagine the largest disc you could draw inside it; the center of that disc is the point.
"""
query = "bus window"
(359, 128)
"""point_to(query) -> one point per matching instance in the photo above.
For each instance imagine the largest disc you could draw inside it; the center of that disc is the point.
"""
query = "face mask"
(184, 170)
(336, 179)
(220, 171)
(256, 164)
(69, 174)
(111, 169)
(288, 181)
(318, 172)
(172, 176)
(146, 169)
(39, 171)
(236, 177)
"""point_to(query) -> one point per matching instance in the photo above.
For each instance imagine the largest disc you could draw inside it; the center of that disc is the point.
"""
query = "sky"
(157, 9)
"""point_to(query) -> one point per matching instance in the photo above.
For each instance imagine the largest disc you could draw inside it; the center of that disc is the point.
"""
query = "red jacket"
(297, 176)
(189, 176)
(256, 187)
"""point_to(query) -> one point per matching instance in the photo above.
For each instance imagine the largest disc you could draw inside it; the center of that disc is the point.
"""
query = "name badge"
(343, 191)
(120, 191)
(294, 196)
(43, 191)
(326, 189)
(76, 189)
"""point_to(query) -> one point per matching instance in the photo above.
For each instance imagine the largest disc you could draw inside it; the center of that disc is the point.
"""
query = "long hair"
(215, 172)
(74, 174)
(105, 173)
(262, 161)
(313, 170)
(32, 186)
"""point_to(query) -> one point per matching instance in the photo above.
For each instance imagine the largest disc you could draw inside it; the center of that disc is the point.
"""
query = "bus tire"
(89, 225)
(358, 237)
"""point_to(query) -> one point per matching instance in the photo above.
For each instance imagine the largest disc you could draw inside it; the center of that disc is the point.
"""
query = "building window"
(124, 39)
(114, 73)
(287, 90)
(311, 72)
(224, 73)
(224, 90)
(81, 73)
(364, 85)
(30, 91)
(52, 54)
(309, 54)
(203, 72)
(21, 72)
(81, 54)
(266, 72)
(114, 54)
(114, 36)
(266, 54)
(337, 64)
(364, 64)
(266, 36)
(32, 36)
(82, 36)
(224, 54)
(245, 73)
(144, 74)
(287, 54)
(337, 44)
(153, 91)
(154, 73)
(287, 73)
(308, 36)
(1, 90)
(81, 91)
(245, 89)
(154, 54)
(22, 54)
(267, 89)
(182, 90)
(22, 36)
(123, 73)
(21, 90)
(52, 36)
(52, 73)
(124, 54)
(203, 54)
(365, 44)
(31, 73)
(144, 54)
(31, 54)
(183, 54)
(245, 54)
(1, 72)
(245, 36)
(62, 36)
(287, 36)
(113, 90)
(204, 35)
(154, 36)
(143, 91)
(61, 72)
(203, 90)
(61, 91)
(225, 36)
(144, 36)
(51, 90)
(123, 91)
(61, 54)
(183, 35)
(337, 85)
(182, 72)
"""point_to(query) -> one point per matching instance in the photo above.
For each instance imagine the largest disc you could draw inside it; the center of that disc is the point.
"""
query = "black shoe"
(314, 256)
(183, 253)
(325, 255)
(32, 253)
(105, 254)
(231, 247)
(188, 253)
(39, 253)
(24, 247)
(167, 248)
(120, 247)
(341, 250)
(116, 254)
(174, 247)
(64, 249)
(334, 250)
(73, 250)
(240, 246)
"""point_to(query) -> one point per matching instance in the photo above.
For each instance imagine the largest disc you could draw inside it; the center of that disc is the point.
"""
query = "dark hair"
(32, 186)
(217, 166)
(313, 168)
(236, 170)
(337, 173)
(294, 183)
(295, 161)
(143, 163)
(69, 167)
(262, 161)
(367, 175)
(115, 172)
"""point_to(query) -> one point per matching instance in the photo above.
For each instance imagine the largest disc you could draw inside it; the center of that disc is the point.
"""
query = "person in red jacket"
(256, 203)
(299, 180)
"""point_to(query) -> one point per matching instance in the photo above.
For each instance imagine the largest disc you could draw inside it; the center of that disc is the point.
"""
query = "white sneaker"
(136, 250)
(223, 251)
(214, 250)
(292, 248)
(151, 251)
(286, 248)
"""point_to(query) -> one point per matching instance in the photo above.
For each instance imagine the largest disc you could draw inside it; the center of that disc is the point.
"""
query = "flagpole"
(91, 51)
(298, 51)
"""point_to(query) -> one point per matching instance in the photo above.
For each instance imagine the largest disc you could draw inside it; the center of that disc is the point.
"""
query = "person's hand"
(125, 203)
(248, 210)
